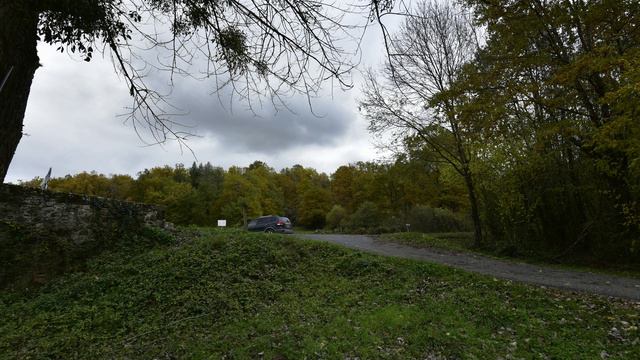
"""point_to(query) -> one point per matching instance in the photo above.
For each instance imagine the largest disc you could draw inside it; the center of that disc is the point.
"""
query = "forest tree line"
(364, 197)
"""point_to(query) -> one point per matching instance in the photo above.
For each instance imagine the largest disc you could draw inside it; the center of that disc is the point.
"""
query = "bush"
(336, 217)
(428, 219)
(314, 219)
(367, 217)
(542, 208)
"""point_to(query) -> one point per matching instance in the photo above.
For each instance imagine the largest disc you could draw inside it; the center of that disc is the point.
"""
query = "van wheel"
(269, 231)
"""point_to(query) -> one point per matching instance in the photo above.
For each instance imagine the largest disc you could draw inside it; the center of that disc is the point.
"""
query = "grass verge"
(231, 294)
(463, 242)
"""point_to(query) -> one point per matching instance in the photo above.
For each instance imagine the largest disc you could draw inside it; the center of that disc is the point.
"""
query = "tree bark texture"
(475, 212)
(19, 60)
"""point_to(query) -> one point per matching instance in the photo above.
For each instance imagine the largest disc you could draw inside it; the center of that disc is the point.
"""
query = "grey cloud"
(267, 131)
(73, 126)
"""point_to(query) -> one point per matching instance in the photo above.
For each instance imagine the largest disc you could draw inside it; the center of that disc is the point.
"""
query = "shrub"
(314, 219)
(428, 219)
(335, 217)
(367, 216)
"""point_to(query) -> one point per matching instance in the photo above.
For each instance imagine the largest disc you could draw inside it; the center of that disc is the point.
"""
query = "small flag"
(45, 182)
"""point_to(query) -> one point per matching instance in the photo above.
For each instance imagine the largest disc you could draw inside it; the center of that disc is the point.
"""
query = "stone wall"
(79, 217)
(45, 233)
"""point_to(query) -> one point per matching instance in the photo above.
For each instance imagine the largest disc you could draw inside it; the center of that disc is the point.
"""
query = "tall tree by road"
(558, 88)
(414, 97)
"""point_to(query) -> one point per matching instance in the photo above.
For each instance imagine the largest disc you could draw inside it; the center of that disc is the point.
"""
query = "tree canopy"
(203, 193)
(545, 110)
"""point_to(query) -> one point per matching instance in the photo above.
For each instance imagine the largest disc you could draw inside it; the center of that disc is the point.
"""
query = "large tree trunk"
(18, 63)
(465, 171)
(475, 213)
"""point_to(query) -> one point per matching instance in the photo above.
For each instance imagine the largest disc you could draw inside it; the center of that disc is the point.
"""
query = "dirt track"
(608, 285)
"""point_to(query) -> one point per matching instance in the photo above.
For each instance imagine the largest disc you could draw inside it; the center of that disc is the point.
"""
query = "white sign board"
(222, 223)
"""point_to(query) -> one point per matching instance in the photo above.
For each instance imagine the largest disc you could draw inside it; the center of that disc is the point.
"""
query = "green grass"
(457, 241)
(235, 295)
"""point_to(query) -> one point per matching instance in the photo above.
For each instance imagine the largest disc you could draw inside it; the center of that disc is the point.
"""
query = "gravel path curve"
(583, 281)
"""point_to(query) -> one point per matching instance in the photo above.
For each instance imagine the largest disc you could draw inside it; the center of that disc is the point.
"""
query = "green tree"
(121, 187)
(82, 183)
(171, 188)
(295, 182)
(316, 202)
(551, 95)
(239, 199)
(343, 187)
(207, 181)
(263, 179)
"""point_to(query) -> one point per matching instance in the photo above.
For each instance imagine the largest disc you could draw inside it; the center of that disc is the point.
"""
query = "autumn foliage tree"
(203, 193)
(554, 92)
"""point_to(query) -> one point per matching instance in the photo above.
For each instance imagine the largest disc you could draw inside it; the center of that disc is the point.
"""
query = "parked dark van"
(270, 224)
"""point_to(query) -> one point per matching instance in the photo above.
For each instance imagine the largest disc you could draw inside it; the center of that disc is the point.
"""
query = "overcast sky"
(72, 125)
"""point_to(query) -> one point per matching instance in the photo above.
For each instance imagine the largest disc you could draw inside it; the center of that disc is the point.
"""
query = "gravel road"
(582, 281)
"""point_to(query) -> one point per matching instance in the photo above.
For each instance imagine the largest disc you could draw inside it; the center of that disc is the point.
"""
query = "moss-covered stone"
(43, 233)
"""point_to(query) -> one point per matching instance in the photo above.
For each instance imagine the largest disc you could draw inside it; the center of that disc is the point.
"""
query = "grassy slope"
(251, 295)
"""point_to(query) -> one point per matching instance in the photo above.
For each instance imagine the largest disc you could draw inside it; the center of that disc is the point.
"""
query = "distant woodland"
(364, 197)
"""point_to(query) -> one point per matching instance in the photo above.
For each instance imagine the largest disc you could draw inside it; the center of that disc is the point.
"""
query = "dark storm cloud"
(264, 129)
(73, 123)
